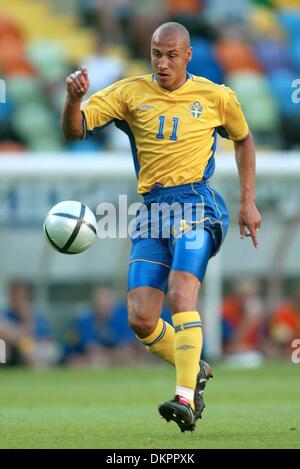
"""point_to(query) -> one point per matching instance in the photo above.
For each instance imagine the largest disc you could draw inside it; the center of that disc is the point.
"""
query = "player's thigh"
(191, 253)
(149, 265)
(148, 272)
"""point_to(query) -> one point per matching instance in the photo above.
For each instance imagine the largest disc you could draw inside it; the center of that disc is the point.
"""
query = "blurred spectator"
(28, 335)
(89, 12)
(183, 7)
(252, 46)
(101, 335)
(235, 12)
(112, 68)
(285, 324)
(146, 16)
(108, 16)
(243, 318)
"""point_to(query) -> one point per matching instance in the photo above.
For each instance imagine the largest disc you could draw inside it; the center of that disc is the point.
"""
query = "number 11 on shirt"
(160, 133)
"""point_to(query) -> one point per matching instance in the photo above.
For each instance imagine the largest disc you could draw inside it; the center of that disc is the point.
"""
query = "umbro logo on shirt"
(145, 107)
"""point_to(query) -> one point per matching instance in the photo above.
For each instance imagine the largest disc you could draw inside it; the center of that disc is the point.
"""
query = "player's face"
(169, 58)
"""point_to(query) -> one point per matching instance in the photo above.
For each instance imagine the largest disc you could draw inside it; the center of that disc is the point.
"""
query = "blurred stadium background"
(251, 299)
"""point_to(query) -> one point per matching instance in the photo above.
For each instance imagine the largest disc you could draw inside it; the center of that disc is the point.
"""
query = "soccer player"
(172, 119)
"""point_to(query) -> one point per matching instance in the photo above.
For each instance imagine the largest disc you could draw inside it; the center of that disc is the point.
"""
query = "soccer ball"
(70, 227)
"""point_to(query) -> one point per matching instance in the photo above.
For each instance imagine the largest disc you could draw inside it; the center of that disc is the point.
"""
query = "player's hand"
(78, 83)
(249, 221)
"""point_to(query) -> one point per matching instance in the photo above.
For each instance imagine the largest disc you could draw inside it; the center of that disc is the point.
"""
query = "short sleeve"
(235, 126)
(103, 107)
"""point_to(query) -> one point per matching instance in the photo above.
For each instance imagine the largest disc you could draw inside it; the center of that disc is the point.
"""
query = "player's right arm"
(72, 120)
(79, 118)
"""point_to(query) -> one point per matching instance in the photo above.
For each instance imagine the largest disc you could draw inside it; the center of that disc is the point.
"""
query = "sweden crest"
(196, 109)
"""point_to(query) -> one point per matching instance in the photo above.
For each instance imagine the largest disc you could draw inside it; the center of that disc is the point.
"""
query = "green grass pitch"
(117, 408)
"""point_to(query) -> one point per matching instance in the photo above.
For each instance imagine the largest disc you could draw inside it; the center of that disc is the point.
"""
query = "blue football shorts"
(176, 228)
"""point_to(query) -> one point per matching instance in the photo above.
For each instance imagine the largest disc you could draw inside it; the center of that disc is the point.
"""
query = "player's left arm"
(236, 128)
(249, 216)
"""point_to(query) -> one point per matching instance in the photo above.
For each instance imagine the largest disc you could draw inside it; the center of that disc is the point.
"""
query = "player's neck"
(177, 84)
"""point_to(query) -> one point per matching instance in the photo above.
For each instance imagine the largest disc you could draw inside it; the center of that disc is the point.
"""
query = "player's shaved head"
(172, 30)
(170, 54)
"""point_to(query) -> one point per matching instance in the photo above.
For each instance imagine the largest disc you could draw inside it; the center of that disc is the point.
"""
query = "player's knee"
(181, 299)
(142, 327)
(141, 322)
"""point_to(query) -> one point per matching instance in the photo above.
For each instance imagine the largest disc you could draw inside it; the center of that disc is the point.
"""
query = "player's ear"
(189, 54)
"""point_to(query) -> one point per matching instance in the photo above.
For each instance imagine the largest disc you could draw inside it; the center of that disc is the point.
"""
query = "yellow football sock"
(161, 341)
(187, 352)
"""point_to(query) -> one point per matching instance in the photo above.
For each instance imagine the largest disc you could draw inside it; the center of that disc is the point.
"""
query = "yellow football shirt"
(172, 133)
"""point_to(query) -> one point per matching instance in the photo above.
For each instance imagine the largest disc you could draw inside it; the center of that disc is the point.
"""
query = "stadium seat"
(290, 22)
(188, 7)
(47, 143)
(6, 110)
(264, 23)
(24, 89)
(259, 105)
(57, 95)
(12, 58)
(272, 54)
(234, 11)
(49, 59)
(290, 5)
(9, 29)
(203, 49)
(294, 54)
(33, 120)
(203, 61)
(235, 55)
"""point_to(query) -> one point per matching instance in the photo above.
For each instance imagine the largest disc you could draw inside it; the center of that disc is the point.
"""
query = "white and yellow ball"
(70, 227)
